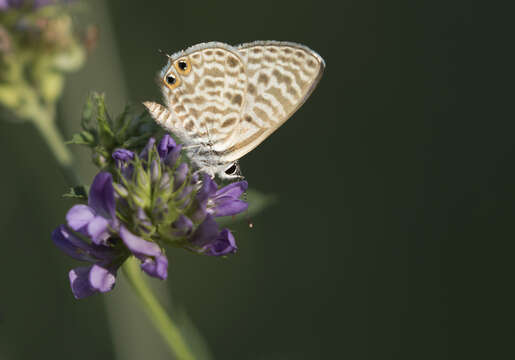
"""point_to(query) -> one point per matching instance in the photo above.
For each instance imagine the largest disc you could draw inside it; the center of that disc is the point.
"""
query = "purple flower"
(154, 263)
(226, 201)
(157, 201)
(168, 150)
(97, 222)
(96, 218)
(6, 4)
(98, 277)
(223, 202)
(122, 156)
(207, 240)
(123, 160)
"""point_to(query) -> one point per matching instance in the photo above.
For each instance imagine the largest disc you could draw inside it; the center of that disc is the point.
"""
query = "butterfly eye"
(183, 66)
(171, 81)
(231, 169)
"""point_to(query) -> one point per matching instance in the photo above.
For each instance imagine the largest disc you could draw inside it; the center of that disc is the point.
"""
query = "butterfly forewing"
(280, 77)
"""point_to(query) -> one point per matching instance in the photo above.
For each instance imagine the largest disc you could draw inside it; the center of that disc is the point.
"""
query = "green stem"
(168, 330)
(44, 122)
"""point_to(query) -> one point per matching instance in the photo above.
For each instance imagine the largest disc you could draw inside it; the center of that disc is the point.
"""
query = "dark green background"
(394, 185)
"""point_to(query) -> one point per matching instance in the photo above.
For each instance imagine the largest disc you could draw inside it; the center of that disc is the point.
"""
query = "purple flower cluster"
(7, 4)
(92, 233)
(154, 201)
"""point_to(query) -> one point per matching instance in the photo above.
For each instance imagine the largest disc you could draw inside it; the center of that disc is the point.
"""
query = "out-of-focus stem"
(162, 322)
(44, 121)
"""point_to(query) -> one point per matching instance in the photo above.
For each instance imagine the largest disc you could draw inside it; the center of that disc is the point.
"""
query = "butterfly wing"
(207, 97)
(280, 77)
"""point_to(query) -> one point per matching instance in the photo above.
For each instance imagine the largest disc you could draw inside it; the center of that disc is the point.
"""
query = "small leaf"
(83, 138)
(78, 192)
(135, 141)
(104, 126)
(121, 123)
(87, 114)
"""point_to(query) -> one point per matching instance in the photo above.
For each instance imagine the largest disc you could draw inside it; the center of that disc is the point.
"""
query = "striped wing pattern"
(234, 97)
(280, 77)
(209, 101)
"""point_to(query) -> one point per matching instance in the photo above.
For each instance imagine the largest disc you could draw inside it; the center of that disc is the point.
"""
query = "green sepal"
(104, 135)
(82, 138)
(121, 124)
(88, 111)
(105, 131)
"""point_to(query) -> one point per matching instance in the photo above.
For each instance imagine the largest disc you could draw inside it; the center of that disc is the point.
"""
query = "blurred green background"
(393, 191)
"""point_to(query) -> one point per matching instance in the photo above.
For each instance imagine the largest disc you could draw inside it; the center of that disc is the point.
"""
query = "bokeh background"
(394, 188)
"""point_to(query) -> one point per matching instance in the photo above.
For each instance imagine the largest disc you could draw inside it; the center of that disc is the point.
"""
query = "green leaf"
(78, 192)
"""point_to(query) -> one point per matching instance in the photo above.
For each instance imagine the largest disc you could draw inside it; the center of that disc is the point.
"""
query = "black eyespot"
(231, 170)
(170, 79)
(183, 65)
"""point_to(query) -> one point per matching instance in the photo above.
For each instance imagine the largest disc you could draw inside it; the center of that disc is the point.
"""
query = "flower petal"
(171, 158)
(233, 190)
(137, 245)
(79, 282)
(79, 216)
(78, 249)
(206, 232)
(98, 230)
(207, 190)
(123, 158)
(71, 245)
(101, 195)
(146, 150)
(101, 279)
(156, 267)
(183, 226)
(123, 155)
(223, 245)
(165, 145)
(228, 206)
(180, 176)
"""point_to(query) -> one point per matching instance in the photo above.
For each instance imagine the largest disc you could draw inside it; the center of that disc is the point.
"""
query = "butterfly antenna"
(163, 53)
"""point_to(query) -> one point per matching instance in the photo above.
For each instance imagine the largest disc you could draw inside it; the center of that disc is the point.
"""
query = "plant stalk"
(163, 323)
(44, 122)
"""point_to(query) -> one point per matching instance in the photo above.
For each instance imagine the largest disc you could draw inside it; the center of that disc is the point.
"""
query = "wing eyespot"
(171, 81)
(183, 66)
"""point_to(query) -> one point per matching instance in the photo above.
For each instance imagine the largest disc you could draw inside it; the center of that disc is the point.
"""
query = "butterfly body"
(223, 101)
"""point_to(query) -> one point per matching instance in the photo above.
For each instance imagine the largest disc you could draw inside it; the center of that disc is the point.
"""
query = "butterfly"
(223, 101)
